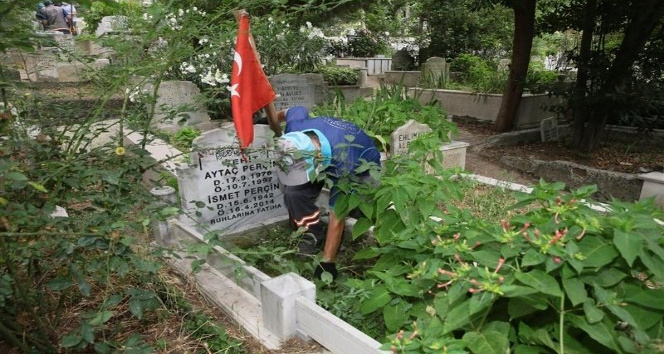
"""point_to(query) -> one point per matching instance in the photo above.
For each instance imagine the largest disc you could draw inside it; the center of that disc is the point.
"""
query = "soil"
(618, 152)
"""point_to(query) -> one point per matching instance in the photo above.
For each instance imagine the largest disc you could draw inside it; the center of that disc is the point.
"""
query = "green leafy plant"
(338, 76)
(559, 278)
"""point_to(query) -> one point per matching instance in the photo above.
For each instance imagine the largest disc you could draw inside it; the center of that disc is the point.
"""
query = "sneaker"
(308, 245)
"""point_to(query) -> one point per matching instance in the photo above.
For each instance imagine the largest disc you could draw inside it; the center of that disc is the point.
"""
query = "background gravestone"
(111, 25)
(298, 90)
(402, 61)
(234, 195)
(401, 137)
(435, 70)
(178, 105)
(549, 129)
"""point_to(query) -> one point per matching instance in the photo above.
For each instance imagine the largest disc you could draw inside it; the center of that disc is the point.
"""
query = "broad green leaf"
(654, 264)
(541, 281)
(60, 283)
(457, 317)
(486, 258)
(593, 314)
(100, 318)
(532, 257)
(527, 349)
(651, 298)
(526, 305)
(575, 290)
(87, 333)
(517, 290)
(596, 252)
(395, 316)
(136, 308)
(84, 287)
(365, 253)
(487, 342)
(70, 341)
(481, 301)
(599, 331)
(609, 277)
(537, 336)
(361, 226)
(628, 245)
(379, 298)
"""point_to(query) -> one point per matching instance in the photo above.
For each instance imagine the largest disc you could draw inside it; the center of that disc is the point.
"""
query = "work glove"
(329, 267)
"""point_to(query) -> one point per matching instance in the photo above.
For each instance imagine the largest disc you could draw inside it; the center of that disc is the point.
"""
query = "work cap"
(295, 159)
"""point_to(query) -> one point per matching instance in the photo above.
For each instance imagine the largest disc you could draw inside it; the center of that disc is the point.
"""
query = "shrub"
(338, 76)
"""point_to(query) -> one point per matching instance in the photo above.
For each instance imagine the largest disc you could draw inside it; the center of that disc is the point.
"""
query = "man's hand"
(323, 267)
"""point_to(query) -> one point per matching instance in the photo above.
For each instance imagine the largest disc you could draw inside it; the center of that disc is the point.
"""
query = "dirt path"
(484, 166)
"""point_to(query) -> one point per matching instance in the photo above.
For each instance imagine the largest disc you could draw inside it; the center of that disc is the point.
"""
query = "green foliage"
(389, 109)
(359, 43)
(478, 74)
(184, 137)
(99, 9)
(337, 76)
(566, 273)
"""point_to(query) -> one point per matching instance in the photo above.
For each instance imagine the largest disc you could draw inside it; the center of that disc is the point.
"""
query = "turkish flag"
(250, 89)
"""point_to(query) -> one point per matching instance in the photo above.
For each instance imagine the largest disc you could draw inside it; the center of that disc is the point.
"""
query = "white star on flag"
(233, 90)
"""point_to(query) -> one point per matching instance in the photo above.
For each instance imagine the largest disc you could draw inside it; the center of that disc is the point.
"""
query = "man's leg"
(304, 213)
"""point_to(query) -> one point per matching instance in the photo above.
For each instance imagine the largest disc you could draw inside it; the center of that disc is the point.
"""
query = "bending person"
(310, 147)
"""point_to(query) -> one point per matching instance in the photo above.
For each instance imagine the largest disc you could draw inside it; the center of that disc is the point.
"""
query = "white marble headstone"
(401, 138)
(110, 24)
(220, 190)
(435, 70)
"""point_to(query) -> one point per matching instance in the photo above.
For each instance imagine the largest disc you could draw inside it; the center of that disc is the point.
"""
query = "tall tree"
(642, 18)
(524, 31)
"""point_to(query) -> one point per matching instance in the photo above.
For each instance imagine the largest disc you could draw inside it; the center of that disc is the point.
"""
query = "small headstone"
(111, 24)
(549, 129)
(178, 105)
(298, 90)
(401, 137)
(234, 195)
(46, 67)
(402, 61)
(436, 70)
(504, 64)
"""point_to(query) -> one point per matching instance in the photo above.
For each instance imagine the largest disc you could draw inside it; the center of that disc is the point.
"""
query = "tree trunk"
(579, 111)
(646, 17)
(524, 26)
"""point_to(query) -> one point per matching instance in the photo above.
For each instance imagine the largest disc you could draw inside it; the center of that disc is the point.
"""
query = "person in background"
(54, 18)
(70, 15)
(310, 147)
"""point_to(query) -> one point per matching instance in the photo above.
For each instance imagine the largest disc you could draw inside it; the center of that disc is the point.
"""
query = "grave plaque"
(178, 105)
(549, 129)
(436, 70)
(110, 24)
(220, 190)
(298, 90)
(401, 137)
(46, 67)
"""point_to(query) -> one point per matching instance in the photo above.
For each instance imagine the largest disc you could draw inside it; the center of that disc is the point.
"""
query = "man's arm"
(335, 230)
(274, 118)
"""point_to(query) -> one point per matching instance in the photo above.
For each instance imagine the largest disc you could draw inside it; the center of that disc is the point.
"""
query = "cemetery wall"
(532, 110)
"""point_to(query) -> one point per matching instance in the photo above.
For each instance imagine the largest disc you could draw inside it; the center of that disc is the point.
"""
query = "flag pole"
(270, 109)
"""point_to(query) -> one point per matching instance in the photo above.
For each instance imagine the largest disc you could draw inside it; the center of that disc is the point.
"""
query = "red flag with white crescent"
(250, 88)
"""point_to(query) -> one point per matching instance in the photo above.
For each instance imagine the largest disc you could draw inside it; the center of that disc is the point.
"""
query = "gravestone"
(45, 67)
(402, 61)
(436, 70)
(549, 129)
(178, 105)
(504, 64)
(401, 138)
(298, 90)
(111, 24)
(234, 195)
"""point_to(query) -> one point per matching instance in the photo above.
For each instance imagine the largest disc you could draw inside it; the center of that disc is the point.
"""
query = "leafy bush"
(184, 137)
(389, 109)
(478, 74)
(361, 43)
(338, 76)
(559, 278)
